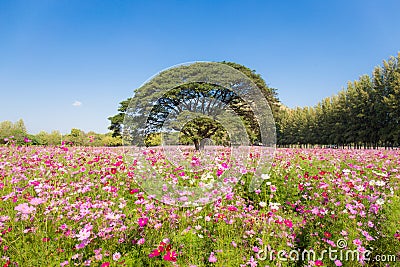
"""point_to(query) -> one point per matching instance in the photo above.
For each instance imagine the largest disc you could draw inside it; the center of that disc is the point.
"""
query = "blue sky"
(67, 63)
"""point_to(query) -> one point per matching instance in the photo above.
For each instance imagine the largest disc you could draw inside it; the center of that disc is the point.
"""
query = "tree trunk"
(196, 144)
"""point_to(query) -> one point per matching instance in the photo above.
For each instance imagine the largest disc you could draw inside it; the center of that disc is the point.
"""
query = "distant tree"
(77, 137)
(54, 138)
(117, 120)
(111, 141)
(15, 130)
(6, 130)
(41, 138)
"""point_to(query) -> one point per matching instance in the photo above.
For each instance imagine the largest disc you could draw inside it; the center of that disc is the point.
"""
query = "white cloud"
(77, 104)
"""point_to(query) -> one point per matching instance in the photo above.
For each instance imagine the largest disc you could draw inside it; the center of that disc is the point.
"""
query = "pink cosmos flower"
(154, 253)
(232, 208)
(133, 191)
(338, 263)
(357, 242)
(143, 221)
(252, 262)
(212, 257)
(116, 256)
(397, 235)
(170, 256)
(319, 263)
(83, 234)
(24, 208)
(288, 223)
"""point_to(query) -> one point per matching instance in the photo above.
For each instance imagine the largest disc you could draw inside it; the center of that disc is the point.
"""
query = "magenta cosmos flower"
(143, 221)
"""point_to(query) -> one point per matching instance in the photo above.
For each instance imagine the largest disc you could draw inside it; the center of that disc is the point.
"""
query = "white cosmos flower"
(274, 205)
(265, 176)
(359, 187)
(379, 173)
(262, 204)
(380, 201)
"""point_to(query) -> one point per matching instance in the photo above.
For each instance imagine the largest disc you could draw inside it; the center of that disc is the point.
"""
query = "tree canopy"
(198, 110)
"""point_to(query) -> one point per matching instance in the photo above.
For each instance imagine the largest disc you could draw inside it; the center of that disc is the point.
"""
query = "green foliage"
(117, 120)
(110, 141)
(192, 96)
(13, 132)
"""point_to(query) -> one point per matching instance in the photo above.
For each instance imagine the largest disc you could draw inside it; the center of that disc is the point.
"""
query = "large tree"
(208, 102)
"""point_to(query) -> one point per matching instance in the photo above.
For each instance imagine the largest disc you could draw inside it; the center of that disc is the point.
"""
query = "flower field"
(83, 206)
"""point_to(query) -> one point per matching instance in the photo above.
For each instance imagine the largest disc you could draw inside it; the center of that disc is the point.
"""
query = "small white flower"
(200, 235)
(380, 183)
(372, 182)
(274, 205)
(265, 176)
(324, 212)
(262, 204)
(379, 173)
(268, 183)
(346, 171)
(380, 201)
(359, 187)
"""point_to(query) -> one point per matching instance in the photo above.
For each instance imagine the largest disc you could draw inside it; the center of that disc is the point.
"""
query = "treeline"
(366, 114)
(16, 133)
